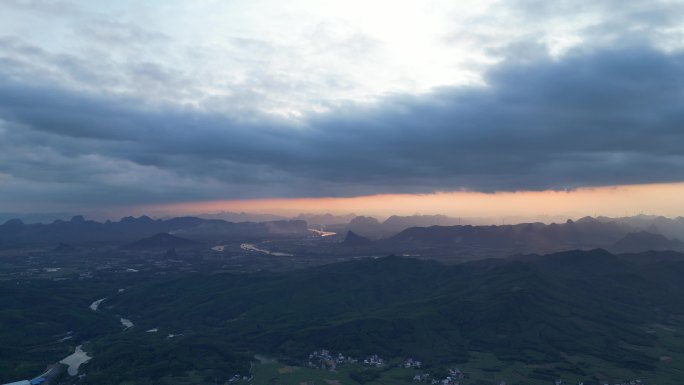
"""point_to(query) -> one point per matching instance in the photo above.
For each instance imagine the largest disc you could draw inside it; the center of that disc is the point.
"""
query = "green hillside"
(534, 310)
(582, 315)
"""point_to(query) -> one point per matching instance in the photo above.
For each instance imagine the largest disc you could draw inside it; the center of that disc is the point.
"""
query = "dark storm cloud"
(592, 118)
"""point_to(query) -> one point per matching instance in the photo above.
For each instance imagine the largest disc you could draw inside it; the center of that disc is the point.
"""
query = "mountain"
(395, 224)
(372, 228)
(544, 311)
(311, 219)
(368, 226)
(645, 241)
(588, 316)
(585, 233)
(78, 230)
(242, 217)
(223, 231)
(669, 227)
(34, 217)
(353, 240)
(325, 219)
(161, 241)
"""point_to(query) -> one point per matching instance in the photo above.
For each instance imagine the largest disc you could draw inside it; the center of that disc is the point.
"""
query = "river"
(95, 305)
(251, 247)
(323, 233)
(126, 323)
(75, 360)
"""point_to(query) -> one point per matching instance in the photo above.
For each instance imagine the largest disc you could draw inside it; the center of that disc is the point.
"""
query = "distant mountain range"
(34, 217)
(415, 235)
(669, 227)
(242, 217)
(372, 228)
(645, 241)
(483, 241)
(78, 230)
(586, 232)
(318, 220)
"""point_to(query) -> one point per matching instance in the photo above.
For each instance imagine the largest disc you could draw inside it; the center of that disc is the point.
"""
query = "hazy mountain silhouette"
(366, 226)
(81, 231)
(527, 237)
(242, 217)
(325, 219)
(645, 241)
(229, 231)
(353, 240)
(669, 227)
(160, 241)
(372, 228)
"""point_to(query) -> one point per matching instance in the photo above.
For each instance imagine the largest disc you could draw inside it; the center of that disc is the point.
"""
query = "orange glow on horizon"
(658, 199)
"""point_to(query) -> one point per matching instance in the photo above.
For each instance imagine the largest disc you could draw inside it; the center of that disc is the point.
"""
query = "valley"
(528, 319)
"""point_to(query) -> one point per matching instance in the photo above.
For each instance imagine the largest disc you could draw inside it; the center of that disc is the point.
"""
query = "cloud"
(596, 117)
(517, 29)
(287, 60)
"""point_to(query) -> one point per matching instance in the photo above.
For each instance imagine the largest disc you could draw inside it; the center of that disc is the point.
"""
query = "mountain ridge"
(78, 230)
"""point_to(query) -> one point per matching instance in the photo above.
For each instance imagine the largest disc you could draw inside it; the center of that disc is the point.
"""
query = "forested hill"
(526, 308)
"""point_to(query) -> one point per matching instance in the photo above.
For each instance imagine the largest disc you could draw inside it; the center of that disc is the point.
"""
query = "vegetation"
(521, 310)
(40, 320)
(576, 315)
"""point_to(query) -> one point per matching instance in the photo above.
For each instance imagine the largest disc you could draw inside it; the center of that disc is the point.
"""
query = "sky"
(479, 108)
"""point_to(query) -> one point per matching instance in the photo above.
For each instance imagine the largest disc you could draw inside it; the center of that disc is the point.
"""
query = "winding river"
(75, 360)
(95, 305)
(251, 247)
(323, 233)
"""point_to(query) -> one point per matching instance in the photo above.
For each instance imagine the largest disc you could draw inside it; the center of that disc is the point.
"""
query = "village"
(325, 359)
